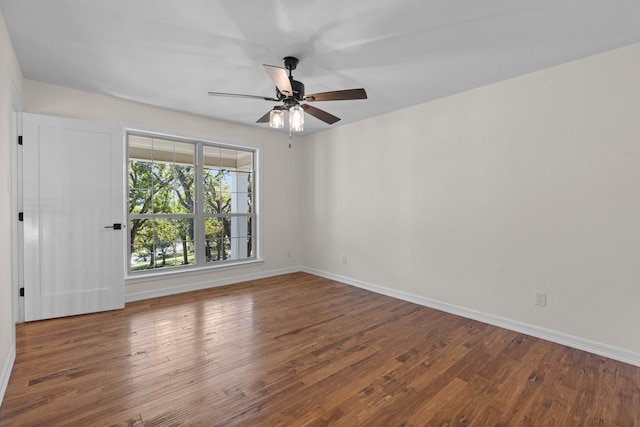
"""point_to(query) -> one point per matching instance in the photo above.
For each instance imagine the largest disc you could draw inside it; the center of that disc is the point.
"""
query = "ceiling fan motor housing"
(298, 91)
(290, 63)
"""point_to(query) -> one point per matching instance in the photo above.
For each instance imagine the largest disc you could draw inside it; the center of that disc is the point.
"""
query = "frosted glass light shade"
(296, 118)
(276, 119)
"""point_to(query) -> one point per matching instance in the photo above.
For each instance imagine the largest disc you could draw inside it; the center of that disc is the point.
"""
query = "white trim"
(601, 349)
(138, 296)
(186, 136)
(6, 371)
(16, 206)
(175, 272)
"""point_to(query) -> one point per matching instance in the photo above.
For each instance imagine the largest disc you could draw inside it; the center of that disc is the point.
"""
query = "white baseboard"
(6, 371)
(138, 296)
(601, 349)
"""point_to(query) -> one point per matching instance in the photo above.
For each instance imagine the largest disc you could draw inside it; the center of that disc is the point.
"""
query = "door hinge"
(20, 216)
(21, 292)
(19, 139)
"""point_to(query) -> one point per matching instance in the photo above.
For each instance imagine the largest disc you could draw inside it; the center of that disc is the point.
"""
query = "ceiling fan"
(291, 93)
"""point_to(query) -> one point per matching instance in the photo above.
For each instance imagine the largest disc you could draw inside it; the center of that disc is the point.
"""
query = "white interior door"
(72, 197)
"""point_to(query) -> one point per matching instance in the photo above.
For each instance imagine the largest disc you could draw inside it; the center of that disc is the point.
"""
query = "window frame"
(199, 215)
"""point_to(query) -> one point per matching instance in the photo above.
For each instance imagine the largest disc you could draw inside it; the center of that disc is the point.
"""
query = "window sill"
(184, 272)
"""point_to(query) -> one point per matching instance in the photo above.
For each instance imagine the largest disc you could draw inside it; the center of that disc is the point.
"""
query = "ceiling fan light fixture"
(296, 119)
(290, 93)
(276, 119)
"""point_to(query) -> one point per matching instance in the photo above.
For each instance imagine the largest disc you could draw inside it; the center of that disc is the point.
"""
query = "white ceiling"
(403, 52)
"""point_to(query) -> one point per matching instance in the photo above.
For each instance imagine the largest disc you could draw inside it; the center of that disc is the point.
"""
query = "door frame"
(17, 238)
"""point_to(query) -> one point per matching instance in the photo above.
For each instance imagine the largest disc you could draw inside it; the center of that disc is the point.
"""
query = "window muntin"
(185, 213)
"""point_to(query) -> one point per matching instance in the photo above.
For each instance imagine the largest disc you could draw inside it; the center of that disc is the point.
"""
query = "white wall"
(10, 78)
(480, 199)
(280, 184)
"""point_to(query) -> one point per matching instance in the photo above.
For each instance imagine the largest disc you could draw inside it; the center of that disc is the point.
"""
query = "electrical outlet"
(288, 253)
(344, 259)
(541, 299)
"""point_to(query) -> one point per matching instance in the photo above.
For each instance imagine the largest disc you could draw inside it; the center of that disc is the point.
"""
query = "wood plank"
(303, 350)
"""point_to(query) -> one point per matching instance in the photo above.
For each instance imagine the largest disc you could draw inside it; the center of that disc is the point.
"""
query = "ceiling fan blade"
(320, 114)
(280, 78)
(265, 118)
(239, 95)
(337, 95)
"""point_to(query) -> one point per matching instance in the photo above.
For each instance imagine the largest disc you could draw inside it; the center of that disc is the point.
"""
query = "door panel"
(73, 189)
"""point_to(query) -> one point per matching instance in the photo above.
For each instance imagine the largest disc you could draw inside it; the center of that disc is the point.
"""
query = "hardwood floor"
(302, 350)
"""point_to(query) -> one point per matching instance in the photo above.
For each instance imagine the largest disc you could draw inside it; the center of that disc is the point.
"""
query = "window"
(191, 203)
